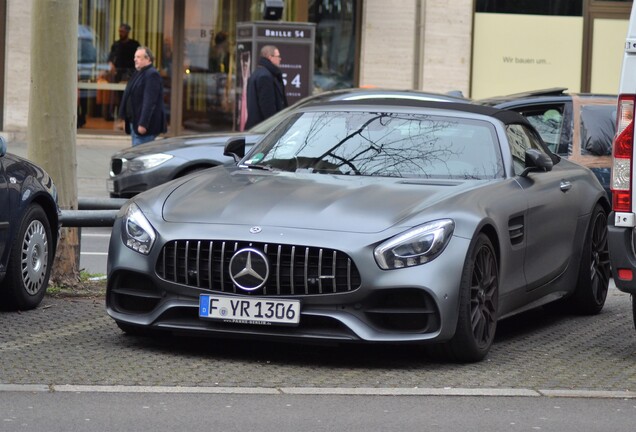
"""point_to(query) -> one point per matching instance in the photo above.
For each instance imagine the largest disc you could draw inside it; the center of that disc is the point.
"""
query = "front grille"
(294, 270)
(116, 166)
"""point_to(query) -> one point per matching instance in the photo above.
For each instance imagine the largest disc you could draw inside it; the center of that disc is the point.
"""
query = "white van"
(622, 221)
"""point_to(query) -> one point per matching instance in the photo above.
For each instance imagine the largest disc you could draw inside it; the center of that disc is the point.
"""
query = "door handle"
(565, 186)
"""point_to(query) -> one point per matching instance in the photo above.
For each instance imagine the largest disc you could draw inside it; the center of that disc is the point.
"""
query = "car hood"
(310, 201)
(169, 144)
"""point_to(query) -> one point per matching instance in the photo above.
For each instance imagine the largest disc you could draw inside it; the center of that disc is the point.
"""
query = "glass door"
(208, 74)
(108, 33)
(207, 83)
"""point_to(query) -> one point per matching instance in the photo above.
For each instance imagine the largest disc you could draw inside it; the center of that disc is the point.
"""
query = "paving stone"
(74, 342)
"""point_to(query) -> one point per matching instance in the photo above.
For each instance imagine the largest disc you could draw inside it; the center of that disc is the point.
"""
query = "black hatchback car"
(29, 222)
(578, 126)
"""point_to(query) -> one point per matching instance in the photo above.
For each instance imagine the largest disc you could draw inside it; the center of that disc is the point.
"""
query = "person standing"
(120, 59)
(142, 104)
(265, 87)
(121, 65)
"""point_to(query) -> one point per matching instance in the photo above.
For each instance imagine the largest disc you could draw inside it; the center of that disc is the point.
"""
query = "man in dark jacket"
(142, 103)
(121, 64)
(122, 52)
(265, 88)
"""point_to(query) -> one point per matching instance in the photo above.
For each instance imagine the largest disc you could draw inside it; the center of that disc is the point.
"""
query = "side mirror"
(235, 147)
(3, 147)
(537, 161)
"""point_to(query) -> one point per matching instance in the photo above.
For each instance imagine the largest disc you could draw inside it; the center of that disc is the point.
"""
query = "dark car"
(383, 222)
(142, 167)
(29, 218)
(579, 126)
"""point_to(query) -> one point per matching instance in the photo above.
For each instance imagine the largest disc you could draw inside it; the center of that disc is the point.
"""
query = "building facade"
(478, 47)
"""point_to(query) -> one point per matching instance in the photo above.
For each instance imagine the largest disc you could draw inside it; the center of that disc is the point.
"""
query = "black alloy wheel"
(478, 304)
(594, 271)
(483, 297)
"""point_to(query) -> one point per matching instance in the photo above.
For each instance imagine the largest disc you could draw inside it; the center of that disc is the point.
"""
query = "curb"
(471, 392)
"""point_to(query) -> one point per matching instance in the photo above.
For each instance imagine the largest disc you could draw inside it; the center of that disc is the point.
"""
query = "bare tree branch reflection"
(389, 144)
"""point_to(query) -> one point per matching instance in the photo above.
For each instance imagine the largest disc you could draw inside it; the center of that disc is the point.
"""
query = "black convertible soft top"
(505, 116)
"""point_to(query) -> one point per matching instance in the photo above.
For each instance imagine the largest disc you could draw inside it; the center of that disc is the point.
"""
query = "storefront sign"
(295, 41)
(284, 33)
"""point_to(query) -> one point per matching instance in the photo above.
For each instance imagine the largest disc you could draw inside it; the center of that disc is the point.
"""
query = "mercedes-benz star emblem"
(249, 269)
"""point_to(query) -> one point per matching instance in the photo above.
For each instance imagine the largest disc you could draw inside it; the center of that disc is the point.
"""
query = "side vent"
(516, 230)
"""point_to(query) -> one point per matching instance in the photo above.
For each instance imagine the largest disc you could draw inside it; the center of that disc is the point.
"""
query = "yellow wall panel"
(515, 53)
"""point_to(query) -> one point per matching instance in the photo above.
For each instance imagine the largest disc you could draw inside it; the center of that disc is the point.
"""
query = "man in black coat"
(121, 64)
(122, 52)
(265, 88)
(142, 103)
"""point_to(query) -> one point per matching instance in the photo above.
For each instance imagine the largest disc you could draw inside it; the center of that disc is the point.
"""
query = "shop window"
(334, 60)
(197, 54)
(99, 86)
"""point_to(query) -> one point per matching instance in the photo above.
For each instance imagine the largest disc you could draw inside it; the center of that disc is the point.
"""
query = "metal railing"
(92, 212)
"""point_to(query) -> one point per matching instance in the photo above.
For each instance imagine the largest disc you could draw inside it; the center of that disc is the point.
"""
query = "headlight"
(147, 161)
(416, 246)
(137, 233)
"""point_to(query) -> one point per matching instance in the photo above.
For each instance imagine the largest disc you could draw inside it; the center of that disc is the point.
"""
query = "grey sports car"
(401, 221)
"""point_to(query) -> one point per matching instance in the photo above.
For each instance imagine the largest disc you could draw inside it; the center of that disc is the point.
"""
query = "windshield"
(381, 144)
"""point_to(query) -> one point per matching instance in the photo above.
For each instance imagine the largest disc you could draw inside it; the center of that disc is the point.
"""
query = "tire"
(594, 271)
(30, 261)
(478, 305)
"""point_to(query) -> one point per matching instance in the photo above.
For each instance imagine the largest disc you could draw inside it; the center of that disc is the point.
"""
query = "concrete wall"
(18, 67)
(447, 36)
(416, 44)
(387, 52)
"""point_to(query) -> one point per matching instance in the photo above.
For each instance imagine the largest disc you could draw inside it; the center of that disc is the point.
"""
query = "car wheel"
(30, 261)
(594, 271)
(478, 304)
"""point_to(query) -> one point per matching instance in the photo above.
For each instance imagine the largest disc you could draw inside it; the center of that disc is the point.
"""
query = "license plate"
(110, 186)
(248, 310)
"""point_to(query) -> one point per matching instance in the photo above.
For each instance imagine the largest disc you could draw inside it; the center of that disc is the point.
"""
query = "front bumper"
(128, 184)
(417, 304)
(121, 188)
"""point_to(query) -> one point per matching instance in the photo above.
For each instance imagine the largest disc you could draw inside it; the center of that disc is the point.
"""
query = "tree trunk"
(52, 129)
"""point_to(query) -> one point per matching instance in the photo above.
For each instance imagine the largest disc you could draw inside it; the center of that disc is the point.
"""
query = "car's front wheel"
(30, 261)
(478, 304)
(594, 271)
